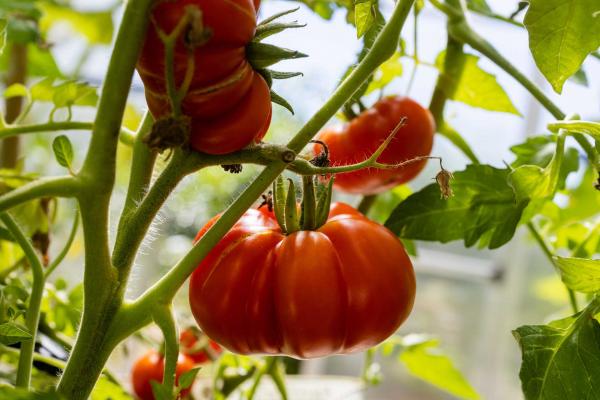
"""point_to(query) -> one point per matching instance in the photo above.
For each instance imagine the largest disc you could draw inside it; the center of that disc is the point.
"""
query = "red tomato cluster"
(228, 102)
(150, 367)
(342, 288)
(357, 140)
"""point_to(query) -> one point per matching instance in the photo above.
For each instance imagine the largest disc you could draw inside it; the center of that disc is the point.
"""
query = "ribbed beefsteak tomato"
(342, 288)
(228, 102)
(355, 141)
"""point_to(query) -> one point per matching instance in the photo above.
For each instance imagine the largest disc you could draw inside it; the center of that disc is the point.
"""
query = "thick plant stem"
(133, 315)
(17, 73)
(32, 316)
(101, 299)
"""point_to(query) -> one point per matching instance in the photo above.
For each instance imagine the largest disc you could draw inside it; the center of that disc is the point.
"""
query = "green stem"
(165, 319)
(366, 203)
(548, 253)
(309, 204)
(277, 373)
(32, 315)
(132, 317)
(11, 131)
(65, 186)
(63, 253)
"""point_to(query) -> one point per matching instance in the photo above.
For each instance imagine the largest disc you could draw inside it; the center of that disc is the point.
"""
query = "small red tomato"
(342, 288)
(150, 367)
(189, 341)
(355, 141)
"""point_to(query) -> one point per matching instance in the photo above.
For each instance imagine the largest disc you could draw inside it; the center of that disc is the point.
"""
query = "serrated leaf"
(484, 209)
(428, 363)
(580, 274)
(11, 333)
(63, 151)
(562, 33)
(187, 379)
(561, 361)
(365, 13)
(475, 87)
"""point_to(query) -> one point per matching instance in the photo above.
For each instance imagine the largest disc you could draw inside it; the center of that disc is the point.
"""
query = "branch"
(165, 319)
(61, 256)
(126, 136)
(65, 186)
(32, 315)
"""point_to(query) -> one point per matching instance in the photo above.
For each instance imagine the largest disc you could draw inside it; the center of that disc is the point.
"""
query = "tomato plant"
(81, 284)
(355, 141)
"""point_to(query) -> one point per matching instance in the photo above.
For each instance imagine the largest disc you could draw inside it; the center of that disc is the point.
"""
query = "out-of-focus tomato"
(190, 346)
(342, 288)
(150, 367)
(355, 141)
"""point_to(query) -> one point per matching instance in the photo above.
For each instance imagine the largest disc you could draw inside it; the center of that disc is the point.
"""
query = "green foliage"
(562, 33)
(475, 87)
(23, 394)
(484, 210)
(579, 274)
(106, 389)
(62, 307)
(386, 73)
(365, 14)
(187, 379)
(96, 27)
(63, 151)
(589, 128)
(561, 361)
(11, 333)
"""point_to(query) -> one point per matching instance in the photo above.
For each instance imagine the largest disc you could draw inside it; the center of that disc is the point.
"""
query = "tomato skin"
(228, 102)
(357, 140)
(340, 289)
(150, 367)
(188, 341)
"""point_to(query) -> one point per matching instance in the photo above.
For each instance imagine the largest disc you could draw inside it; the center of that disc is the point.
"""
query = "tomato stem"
(292, 223)
(309, 204)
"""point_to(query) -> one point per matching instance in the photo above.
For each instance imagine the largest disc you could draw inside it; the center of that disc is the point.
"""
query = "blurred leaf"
(484, 209)
(23, 31)
(580, 78)
(476, 87)
(427, 362)
(479, 6)
(562, 33)
(108, 390)
(25, 8)
(365, 12)
(187, 379)
(561, 361)
(160, 391)
(63, 151)
(325, 8)
(579, 274)
(40, 62)
(16, 90)
(386, 73)
(23, 394)
(65, 94)
(11, 333)
(96, 27)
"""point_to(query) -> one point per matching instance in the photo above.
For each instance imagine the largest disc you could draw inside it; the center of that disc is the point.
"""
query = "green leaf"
(108, 390)
(479, 6)
(160, 391)
(16, 90)
(187, 379)
(23, 394)
(427, 362)
(579, 274)
(484, 209)
(365, 12)
(63, 151)
(562, 33)
(11, 333)
(96, 27)
(589, 128)
(40, 62)
(580, 78)
(386, 73)
(561, 361)
(475, 87)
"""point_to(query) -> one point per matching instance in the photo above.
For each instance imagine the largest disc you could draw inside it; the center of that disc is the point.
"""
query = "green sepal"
(264, 31)
(263, 55)
(279, 200)
(277, 16)
(292, 222)
(324, 203)
(277, 99)
(308, 220)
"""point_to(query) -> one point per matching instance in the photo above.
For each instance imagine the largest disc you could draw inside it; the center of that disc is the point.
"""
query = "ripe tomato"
(150, 367)
(340, 289)
(189, 342)
(228, 102)
(357, 140)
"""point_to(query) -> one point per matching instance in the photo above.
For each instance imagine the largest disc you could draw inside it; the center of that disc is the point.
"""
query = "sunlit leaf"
(11, 333)
(476, 87)
(365, 13)
(96, 27)
(106, 389)
(16, 90)
(484, 209)
(561, 361)
(386, 73)
(579, 274)
(40, 62)
(562, 33)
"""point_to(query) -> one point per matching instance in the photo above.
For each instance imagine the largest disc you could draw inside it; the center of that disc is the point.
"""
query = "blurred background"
(467, 298)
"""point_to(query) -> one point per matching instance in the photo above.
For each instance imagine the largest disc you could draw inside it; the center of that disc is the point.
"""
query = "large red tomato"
(228, 102)
(357, 140)
(150, 367)
(342, 288)
(190, 341)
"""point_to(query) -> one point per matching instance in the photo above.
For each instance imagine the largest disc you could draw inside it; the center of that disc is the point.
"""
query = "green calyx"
(263, 55)
(314, 209)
